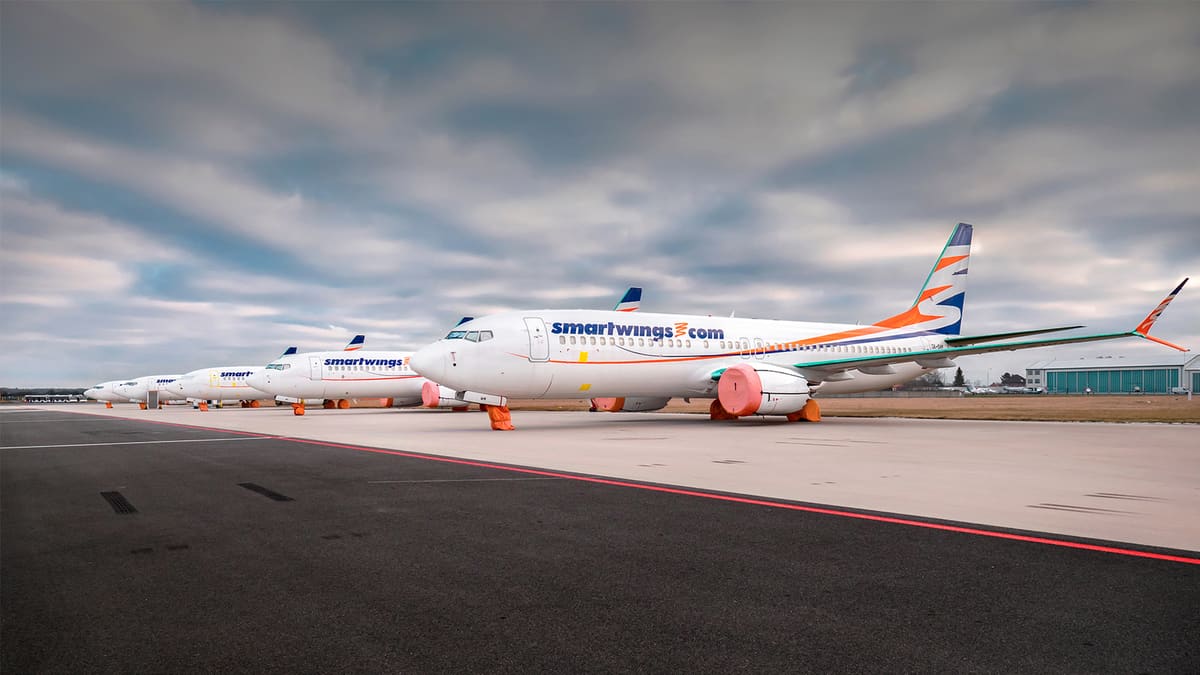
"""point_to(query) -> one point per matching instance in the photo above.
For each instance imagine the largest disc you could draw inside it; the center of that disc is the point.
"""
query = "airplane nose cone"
(429, 363)
(258, 380)
(90, 393)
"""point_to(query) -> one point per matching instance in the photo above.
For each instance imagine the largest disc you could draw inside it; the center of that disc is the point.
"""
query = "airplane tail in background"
(464, 320)
(288, 352)
(939, 306)
(356, 343)
(631, 301)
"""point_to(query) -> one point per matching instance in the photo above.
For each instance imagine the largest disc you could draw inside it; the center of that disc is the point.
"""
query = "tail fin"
(464, 320)
(288, 352)
(631, 301)
(939, 306)
(356, 343)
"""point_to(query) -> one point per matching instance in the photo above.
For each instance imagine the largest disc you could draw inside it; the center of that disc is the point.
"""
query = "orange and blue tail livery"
(939, 306)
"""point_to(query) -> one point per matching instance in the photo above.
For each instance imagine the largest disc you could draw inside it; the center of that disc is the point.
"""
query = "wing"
(941, 358)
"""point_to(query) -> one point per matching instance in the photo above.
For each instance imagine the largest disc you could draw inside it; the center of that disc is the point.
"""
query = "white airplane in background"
(223, 383)
(137, 390)
(105, 391)
(749, 366)
(334, 379)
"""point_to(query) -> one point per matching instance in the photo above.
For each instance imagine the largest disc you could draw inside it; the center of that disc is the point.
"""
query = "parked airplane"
(137, 390)
(749, 366)
(105, 391)
(334, 378)
(223, 383)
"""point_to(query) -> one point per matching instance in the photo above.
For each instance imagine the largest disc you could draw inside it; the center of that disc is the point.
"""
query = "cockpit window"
(485, 335)
(473, 336)
(456, 335)
(278, 366)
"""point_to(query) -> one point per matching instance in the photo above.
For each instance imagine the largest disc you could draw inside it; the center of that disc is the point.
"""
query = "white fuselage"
(342, 374)
(137, 390)
(222, 383)
(590, 353)
(106, 391)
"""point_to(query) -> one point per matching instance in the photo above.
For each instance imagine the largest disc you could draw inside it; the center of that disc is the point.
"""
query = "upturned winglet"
(1143, 329)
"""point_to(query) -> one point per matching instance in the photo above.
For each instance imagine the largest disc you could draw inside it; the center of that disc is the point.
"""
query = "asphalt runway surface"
(132, 546)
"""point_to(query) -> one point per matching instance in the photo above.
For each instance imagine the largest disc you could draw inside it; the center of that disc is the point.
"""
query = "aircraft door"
(539, 343)
(760, 349)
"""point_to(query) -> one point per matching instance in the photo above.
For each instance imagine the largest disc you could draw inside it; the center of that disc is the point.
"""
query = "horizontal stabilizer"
(959, 341)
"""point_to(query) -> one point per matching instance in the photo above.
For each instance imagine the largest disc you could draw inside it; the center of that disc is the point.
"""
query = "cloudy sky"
(187, 185)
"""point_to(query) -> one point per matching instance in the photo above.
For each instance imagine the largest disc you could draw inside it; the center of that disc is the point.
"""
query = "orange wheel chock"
(108, 404)
(811, 412)
(716, 411)
(387, 402)
(500, 417)
(204, 406)
(255, 403)
(297, 408)
(142, 405)
(343, 403)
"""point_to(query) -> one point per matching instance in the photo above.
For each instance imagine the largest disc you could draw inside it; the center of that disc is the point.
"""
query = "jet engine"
(761, 389)
(434, 395)
(629, 404)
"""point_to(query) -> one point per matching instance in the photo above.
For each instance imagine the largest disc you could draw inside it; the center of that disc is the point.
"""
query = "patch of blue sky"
(731, 211)
(420, 61)
(78, 193)
(1175, 230)
(566, 132)
(117, 120)
(553, 135)
(1095, 103)
(877, 67)
(320, 173)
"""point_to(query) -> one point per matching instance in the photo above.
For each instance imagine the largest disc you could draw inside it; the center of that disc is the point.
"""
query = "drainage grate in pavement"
(253, 487)
(118, 502)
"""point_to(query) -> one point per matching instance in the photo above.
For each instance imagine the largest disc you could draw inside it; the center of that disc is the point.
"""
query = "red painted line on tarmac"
(719, 497)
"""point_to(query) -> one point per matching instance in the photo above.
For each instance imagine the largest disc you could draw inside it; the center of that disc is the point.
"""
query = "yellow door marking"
(584, 387)
(583, 357)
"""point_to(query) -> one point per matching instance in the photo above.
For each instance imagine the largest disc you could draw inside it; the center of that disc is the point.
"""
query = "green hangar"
(1165, 374)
